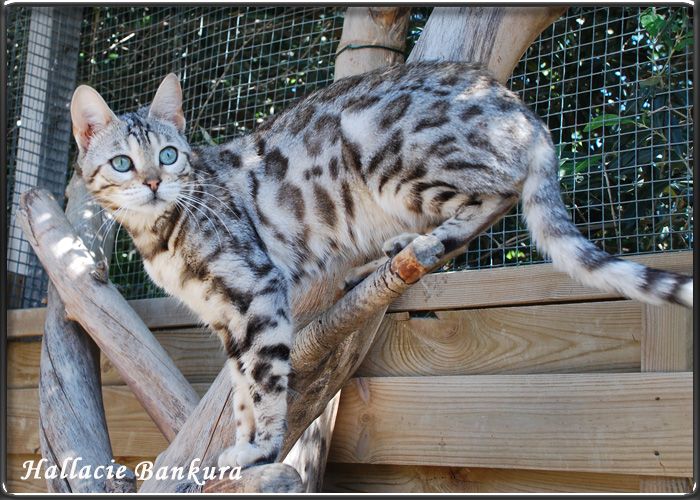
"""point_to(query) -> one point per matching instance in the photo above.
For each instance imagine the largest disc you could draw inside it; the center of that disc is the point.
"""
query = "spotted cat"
(235, 231)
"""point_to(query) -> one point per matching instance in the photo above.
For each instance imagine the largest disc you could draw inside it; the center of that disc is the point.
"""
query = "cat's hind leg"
(470, 219)
(260, 346)
(390, 248)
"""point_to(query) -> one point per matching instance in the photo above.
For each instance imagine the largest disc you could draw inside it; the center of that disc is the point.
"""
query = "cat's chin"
(153, 207)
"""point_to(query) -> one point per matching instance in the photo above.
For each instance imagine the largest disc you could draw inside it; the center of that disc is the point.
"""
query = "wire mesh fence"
(42, 49)
(614, 85)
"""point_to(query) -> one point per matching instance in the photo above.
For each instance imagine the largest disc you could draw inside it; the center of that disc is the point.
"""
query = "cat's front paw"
(244, 455)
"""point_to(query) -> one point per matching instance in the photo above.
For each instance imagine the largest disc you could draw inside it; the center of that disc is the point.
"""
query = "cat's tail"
(555, 235)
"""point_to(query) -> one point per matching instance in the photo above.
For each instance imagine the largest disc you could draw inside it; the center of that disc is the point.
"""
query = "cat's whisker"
(224, 205)
(185, 205)
(206, 207)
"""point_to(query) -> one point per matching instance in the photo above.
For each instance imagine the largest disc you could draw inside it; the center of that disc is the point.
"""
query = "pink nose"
(152, 183)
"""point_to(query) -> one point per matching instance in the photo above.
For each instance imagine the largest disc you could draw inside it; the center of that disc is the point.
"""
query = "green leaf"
(584, 164)
(607, 120)
(652, 22)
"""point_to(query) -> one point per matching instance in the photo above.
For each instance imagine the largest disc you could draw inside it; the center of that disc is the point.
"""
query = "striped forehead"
(136, 126)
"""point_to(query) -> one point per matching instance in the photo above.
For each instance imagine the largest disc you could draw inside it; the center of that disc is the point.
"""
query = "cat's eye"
(121, 163)
(168, 155)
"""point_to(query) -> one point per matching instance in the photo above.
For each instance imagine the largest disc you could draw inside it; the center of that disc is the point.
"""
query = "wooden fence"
(521, 381)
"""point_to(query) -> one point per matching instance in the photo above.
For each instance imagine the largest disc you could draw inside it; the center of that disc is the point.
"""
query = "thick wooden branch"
(495, 36)
(380, 31)
(268, 478)
(102, 311)
(71, 412)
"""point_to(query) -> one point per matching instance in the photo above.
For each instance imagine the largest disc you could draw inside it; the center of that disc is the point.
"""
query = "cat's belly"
(167, 271)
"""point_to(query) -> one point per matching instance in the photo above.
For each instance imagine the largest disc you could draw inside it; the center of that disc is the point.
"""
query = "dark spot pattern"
(276, 164)
(302, 118)
(229, 158)
(333, 168)
(325, 208)
(291, 197)
(470, 112)
(394, 110)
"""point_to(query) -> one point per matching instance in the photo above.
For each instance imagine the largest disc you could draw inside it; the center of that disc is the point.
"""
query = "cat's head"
(137, 161)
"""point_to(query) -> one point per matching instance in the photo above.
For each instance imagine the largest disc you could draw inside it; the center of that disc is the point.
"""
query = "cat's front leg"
(258, 346)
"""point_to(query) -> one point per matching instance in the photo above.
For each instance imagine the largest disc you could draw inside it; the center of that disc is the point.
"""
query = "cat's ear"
(167, 104)
(89, 113)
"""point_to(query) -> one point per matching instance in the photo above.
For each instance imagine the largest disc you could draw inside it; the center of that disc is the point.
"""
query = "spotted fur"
(236, 231)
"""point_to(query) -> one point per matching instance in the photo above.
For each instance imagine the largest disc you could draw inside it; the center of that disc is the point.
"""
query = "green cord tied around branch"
(353, 46)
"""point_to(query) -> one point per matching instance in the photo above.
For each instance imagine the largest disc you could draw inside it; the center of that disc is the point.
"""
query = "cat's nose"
(152, 183)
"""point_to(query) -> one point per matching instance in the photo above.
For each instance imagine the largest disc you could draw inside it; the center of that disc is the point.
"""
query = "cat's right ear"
(90, 114)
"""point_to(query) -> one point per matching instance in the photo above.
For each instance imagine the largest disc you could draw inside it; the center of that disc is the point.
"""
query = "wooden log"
(101, 310)
(310, 453)
(495, 36)
(373, 37)
(268, 478)
(667, 346)
(325, 352)
(626, 423)
(16, 471)
(72, 421)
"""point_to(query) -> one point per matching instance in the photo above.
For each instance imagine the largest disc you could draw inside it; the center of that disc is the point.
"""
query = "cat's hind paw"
(359, 273)
(244, 455)
(394, 245)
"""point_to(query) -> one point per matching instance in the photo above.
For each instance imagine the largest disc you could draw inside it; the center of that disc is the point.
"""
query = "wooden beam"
(627, 423)
(195, 351)
(364, 478)
(586, 337)
(503, 421)
(498, 287)
(559, 338)
(667, 346)
(101, 310)
(520, 285)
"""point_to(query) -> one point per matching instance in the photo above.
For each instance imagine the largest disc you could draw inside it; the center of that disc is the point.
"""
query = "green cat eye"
(121, 163)
(168, 155)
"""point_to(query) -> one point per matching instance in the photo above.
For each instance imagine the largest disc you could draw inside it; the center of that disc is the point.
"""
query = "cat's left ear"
(167, 104)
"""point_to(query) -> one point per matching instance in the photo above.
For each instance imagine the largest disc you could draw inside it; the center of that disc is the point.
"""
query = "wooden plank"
(157, 313)
(521, 285)
(364, 478)
(196, 352)
(131, 430)
(16, 471)
(667, 339)
(667, 346)
(625, 423)
(584, 337)
(532, 284)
